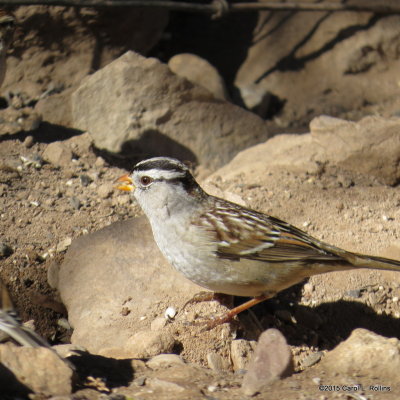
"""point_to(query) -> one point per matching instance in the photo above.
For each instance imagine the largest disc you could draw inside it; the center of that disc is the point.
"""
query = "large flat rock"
(113, 283)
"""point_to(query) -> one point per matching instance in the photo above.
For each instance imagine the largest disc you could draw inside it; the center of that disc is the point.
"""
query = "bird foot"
(228, 317)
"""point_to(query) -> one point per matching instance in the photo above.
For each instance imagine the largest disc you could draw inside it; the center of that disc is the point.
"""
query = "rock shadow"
(291, 62)
(323, 326)
(152, 143)
(10, 386)
(45, 133)
(112, 371)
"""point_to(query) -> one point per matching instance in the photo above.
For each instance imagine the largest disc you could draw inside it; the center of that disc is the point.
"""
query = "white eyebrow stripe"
(162, 174)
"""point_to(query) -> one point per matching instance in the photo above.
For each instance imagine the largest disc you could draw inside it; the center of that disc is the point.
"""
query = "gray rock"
(85, 180)
(80, 144)
(105, 190)
(152, 111)
(272, 360)
(354, 68)
(164, 386)
(29, 142)
(63, 245)
(311, 359)
(75, 203)
(370, 146)
(67, 350)
(5, 249)
(365, 353)
(58, 154)
(200, 72)
(217, 362)
(256, 98)
(116, 267)
(241, 352)
(143, 344)
(180, 380)
(32, 367)
(14, 121)
(354, 293)
(56, 109)
(164, 360)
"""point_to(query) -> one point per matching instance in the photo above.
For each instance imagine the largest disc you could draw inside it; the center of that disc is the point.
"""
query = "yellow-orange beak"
(126, 183)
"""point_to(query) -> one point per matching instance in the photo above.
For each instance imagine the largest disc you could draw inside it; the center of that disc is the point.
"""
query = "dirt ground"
(44, 207)
(41, 206)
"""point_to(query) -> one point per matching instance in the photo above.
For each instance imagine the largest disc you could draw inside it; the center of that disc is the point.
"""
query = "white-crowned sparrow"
(228, 248)
(11, 326)
(7, 27)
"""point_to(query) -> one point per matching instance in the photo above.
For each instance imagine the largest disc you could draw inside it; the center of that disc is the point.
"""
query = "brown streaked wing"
(256, 236)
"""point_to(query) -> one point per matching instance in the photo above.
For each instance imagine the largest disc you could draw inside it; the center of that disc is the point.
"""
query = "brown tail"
(363, 261)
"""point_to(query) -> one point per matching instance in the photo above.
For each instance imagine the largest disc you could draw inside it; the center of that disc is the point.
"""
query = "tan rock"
(152, 111)
(143, 344)
(199, 71)
(241, 353)
(370, 146)
(58, 154)
(39, 369)
(365, 353)
(272, 360)
(116, 267)
(354, 66)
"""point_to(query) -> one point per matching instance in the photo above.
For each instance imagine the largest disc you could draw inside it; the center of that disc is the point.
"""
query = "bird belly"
(247, 278)
(193, 254)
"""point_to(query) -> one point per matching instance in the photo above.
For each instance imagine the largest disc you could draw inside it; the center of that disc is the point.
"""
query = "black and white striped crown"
(169, 170)
(166, 164)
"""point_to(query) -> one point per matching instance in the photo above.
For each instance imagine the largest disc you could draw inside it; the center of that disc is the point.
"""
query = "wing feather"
(243, 233)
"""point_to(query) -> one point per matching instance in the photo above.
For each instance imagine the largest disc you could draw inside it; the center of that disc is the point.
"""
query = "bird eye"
(145, 180)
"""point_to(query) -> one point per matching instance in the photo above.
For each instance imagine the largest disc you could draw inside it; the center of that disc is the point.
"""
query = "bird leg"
(222, 298)
(235, 311)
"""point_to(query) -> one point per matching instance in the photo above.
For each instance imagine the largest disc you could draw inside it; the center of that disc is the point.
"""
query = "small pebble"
(311, 359)
(216, 362)
(164, 360)
(63, 323)
(29, 142)
(85, 180)
(49, 202)
(63, 245)
(316, 380)
(170, 313)
(105, 190)
(125, 311)
(75, 203)
(99, 162)
(139, 381)
(354, 293)
(5, 250)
